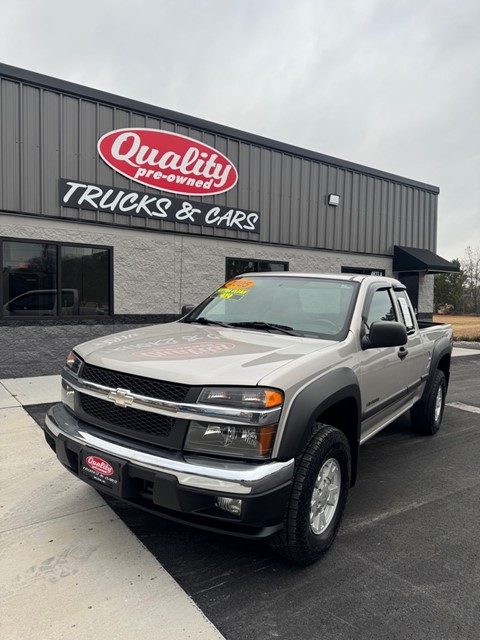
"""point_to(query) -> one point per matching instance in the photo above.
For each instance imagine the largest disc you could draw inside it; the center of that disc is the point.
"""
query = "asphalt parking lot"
(406, 563)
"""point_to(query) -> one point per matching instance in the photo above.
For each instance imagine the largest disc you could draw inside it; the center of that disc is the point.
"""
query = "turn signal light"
(242, 397)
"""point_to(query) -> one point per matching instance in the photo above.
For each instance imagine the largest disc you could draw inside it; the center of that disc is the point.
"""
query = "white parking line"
(464, 407)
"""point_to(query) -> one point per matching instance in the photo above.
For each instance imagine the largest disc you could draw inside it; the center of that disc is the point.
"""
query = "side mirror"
(187, 308)
(385, 334)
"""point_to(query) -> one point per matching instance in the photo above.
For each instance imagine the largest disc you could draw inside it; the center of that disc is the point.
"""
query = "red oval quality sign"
(100, 465)
(168, 161)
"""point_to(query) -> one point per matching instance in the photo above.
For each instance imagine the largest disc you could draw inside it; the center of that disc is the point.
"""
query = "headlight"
(239, 441)
(243, 398)
(73, 362)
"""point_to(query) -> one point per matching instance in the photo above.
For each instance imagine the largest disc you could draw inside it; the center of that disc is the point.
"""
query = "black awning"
(411, 259)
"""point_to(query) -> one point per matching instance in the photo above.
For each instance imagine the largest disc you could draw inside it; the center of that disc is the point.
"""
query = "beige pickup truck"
(246, 415)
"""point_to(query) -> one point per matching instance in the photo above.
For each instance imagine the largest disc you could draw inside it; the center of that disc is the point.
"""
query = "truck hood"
(198, 355)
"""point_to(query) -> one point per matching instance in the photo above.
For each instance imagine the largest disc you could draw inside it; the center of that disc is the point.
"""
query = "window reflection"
(85, 281)
(30, 280)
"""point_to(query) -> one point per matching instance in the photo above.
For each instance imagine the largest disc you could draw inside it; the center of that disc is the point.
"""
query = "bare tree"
(471, 269)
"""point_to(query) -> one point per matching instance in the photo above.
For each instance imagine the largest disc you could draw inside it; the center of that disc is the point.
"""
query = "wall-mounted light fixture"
(333, 200)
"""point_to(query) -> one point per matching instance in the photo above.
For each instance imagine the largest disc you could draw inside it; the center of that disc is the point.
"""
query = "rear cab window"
(406, 310)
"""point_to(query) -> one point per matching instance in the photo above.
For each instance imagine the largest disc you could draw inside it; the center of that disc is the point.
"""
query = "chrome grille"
(135, 384)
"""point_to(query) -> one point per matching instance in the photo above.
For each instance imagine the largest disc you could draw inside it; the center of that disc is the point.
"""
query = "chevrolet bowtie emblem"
(121, 397)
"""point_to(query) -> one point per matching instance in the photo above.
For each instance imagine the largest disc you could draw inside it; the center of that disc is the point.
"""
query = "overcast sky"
(393, 85)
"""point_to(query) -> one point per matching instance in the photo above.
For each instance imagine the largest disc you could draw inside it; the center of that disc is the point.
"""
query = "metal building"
(115, 212)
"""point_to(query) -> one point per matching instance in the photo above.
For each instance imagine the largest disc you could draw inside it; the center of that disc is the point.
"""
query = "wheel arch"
(444, 365)
(333, 399)
(441, 359)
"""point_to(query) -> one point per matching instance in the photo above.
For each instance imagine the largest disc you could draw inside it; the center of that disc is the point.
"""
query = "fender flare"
(441, 349)
(313, 400)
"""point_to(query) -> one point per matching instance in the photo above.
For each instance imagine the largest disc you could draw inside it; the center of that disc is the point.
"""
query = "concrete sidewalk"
(69, 567)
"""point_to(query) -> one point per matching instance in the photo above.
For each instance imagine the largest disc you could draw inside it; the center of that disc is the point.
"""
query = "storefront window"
(29, 279)
(365, 271)
(85, 281)
(236, 266)
(46, 279)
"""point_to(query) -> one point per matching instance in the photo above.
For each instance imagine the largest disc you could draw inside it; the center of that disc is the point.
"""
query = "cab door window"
(381, 307)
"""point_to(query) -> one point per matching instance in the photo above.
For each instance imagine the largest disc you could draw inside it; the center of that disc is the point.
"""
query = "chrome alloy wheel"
(325, 496)
(438, 404)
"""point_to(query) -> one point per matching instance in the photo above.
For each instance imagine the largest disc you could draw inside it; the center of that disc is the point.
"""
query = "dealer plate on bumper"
(98, 469)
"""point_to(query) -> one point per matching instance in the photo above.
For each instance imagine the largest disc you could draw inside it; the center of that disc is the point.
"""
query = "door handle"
(402, 353)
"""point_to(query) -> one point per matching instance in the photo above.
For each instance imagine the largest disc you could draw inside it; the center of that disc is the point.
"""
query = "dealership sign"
(168, 161)
(96, 197)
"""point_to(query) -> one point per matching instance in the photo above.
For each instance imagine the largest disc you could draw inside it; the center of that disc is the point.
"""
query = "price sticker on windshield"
(240, 283)
(235, 288)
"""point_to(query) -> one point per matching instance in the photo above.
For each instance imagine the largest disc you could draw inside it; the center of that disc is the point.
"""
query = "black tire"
(297, 541)
(427, 414)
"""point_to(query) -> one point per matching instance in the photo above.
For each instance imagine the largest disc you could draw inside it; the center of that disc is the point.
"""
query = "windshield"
(310, 307)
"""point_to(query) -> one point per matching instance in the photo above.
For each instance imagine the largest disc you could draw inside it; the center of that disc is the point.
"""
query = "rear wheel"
(427, 414)
(318, 497)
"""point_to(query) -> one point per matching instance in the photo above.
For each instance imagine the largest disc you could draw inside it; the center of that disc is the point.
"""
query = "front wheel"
(427, 414)
(317, 499)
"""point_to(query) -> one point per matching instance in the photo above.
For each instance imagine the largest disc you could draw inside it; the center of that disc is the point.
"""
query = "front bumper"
(182, 488)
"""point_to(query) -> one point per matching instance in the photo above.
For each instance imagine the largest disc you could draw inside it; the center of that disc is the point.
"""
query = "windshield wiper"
(207, 321)
(267, 326)
(283, 328)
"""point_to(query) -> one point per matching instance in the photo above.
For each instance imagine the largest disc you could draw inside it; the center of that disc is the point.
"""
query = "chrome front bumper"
(197, 473)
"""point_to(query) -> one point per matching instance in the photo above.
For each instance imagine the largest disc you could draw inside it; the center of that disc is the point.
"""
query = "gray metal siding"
(10, 151)
(46, 134)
